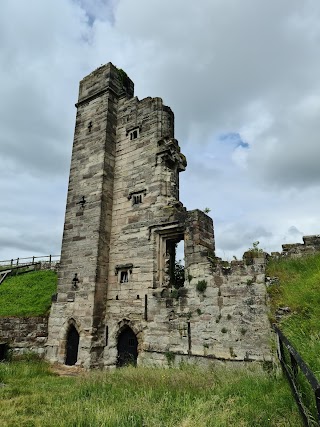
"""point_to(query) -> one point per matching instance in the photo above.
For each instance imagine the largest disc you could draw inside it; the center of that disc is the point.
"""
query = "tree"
(179, 275)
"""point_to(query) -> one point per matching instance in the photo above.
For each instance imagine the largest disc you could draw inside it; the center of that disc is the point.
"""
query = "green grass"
(152, 397)
(299, 289)
(27, 294)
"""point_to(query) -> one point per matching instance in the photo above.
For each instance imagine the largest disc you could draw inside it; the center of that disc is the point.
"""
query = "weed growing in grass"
(170, 356)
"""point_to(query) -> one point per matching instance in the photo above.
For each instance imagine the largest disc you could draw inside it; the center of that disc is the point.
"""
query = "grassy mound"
(151, 397)
(27, 294)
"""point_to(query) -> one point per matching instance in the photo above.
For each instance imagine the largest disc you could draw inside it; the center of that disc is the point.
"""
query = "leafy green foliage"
(201, 286)
(255, 248)
(27, 294)
(133, 397)
(179, 275)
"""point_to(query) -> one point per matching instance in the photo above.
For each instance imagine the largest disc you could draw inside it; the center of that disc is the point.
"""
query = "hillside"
(294, 299)
(297, 293)
(27, 294)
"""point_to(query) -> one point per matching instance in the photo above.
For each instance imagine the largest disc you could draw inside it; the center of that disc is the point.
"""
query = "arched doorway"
(127, 348)
(72, 346)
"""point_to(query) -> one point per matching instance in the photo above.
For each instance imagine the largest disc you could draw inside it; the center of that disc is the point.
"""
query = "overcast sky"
(242, 77)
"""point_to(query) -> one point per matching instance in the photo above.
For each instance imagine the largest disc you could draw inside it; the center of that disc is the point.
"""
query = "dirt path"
(67, 371)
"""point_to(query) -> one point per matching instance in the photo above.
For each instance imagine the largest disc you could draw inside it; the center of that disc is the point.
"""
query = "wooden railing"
(18, 262)
(292, 364)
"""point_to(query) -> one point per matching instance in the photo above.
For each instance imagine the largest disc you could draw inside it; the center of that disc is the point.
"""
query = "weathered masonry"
(116, 298)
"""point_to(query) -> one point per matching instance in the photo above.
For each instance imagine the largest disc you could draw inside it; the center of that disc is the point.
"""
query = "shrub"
(201, 286)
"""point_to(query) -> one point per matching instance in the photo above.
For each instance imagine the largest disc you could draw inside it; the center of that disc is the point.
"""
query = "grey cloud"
(293, 231)
(238, 237)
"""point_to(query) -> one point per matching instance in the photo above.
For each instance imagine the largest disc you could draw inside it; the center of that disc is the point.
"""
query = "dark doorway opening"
(4, 351)
(72, 346)
(127, 348)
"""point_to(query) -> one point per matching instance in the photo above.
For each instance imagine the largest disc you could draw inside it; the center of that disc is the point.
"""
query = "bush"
(201, 286)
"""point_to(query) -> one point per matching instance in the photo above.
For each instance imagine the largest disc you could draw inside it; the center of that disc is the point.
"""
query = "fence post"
(11, 264)
(33, 260)
(294, 366)
(280, 347)
(50, 261)
(17, 262)
(317, 397)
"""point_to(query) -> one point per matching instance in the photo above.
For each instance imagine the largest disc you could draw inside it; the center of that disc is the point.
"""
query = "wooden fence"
(293, 365)
(18, 262)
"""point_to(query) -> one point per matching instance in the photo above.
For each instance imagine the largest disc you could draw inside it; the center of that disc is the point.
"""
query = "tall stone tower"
(117, 299)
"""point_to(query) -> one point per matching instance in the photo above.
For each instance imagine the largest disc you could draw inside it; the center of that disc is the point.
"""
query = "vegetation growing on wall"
(123, 77)
(201, 286)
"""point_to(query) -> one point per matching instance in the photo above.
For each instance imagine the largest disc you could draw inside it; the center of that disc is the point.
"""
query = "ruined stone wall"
(145, 194)
(226, 321)
(24, 334)
(123, 221)
(310, 246)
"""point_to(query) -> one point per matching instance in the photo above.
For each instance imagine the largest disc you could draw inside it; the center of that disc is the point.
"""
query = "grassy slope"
(299, 289)
(150, 397)
(27, 294)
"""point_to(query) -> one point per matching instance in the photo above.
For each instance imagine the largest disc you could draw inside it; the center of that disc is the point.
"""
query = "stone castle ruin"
(117, 301)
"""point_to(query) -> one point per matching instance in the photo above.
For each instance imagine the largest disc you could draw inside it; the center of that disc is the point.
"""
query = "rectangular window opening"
(137, 199)
(174, 262)
(124, 276)
(134, 134)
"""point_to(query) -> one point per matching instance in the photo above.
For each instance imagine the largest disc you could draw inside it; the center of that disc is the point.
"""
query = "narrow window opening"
(137, 199)
(124, 276)
(124, 272)
(107, 335)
